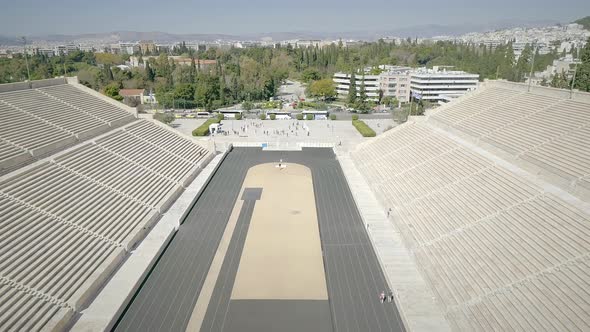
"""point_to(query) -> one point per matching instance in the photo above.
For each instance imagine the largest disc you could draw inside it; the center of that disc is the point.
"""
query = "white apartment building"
(393, 81)
(372, 84)
(438, 84)
(45, 51)
(65, 49)
(129, 48)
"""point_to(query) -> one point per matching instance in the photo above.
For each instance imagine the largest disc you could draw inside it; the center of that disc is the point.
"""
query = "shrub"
(309, 117)
(363, 128)
(203, 130)
(220, 117)
(332, 116)
(299, 116)
(262, 116)
(166, 118)
(247, 105)
(355, 117)
(273, 116)
(239, 116)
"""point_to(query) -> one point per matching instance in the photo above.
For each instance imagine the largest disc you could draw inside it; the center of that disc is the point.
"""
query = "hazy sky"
(34, 17)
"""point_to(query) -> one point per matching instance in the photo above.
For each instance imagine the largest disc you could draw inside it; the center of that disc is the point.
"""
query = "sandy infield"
(282, 256)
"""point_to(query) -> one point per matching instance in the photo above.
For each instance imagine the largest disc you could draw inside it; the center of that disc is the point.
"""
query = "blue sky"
(34, 17)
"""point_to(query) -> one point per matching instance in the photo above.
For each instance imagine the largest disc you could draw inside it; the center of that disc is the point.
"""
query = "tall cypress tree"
(583, 70)
(352, 90)
(149, 72)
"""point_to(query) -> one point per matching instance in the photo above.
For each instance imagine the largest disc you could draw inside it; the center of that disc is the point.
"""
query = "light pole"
(26, 58)
(532, 67)
(573, 80)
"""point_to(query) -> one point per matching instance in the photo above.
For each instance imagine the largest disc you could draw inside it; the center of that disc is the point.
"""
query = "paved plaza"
(288, 131)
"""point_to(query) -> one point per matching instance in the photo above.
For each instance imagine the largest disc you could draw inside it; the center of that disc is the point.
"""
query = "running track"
(167, 297)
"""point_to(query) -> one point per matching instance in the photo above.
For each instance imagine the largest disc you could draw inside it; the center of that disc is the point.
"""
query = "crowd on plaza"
(254, 127)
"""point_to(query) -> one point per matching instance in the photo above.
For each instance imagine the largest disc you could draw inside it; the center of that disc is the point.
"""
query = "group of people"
(294, 129)
(386, 297)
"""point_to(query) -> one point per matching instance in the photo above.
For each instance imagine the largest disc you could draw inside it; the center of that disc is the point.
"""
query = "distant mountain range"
(420, 31)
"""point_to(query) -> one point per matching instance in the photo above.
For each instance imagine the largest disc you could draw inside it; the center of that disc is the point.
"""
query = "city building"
(113, 48)
(65, 49)
(134, 61)
(308, 43)
(129, 48)
(395, 82)
(441, 85)
(372, 84)
(392, 81)
(147, 46)
(45, 52)
(134, 97)
(564, 65)
(542, 37)
(87, 48)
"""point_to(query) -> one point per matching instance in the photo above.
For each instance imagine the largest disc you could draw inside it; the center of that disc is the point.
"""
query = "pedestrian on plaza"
(390, 298)
(382, 297)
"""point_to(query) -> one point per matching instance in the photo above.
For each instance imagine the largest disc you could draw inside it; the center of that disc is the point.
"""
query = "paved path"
(354, 277)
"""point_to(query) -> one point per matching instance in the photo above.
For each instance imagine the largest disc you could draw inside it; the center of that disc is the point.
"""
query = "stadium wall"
(542, 90)
(48, 82)
(9, 87)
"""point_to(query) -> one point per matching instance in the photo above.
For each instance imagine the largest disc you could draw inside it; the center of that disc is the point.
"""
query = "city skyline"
(263, 16)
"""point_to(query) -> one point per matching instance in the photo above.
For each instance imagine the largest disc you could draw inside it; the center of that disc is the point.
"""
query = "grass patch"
(203, 130)
(363, 128)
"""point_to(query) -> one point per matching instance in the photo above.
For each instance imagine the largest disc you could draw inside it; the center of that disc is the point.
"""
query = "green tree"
(523, 64)
(247, 105)
(310, 74)
(352, 90)
(184, 95)
(112, 90)
(323, 89)
(390, 101)
(151, 75)
(507, 63)
(583, 70)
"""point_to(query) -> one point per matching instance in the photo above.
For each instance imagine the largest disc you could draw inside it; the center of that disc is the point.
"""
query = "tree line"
(254, 74)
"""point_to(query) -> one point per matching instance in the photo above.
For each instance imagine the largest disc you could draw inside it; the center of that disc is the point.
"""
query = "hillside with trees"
(585, 22)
